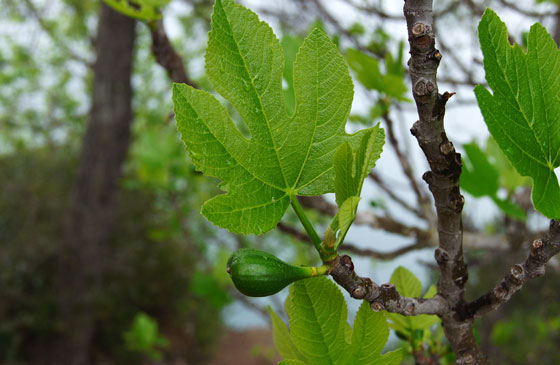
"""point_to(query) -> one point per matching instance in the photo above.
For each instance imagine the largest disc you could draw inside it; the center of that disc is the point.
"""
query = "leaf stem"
(317, 242)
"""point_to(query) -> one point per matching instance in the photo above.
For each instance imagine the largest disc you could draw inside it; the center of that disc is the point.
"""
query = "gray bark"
(442, 179)
(88, 225)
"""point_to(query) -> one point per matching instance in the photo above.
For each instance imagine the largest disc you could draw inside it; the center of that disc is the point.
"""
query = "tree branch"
(384, 297)
(350, 247)
(390, 192)
(443, 179)
(166, 55)
(542, 250)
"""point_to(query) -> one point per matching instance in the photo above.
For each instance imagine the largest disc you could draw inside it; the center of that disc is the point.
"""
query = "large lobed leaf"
(319, 333)
(523, 114)
(286, 155)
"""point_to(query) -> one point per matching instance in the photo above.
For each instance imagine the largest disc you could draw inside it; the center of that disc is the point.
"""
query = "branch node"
(377, 307)
(409, 309)
(441, 255)
(517, 272)
(428, 177)
(447, 95)
(467, 359)
(375, 291)
(537, 244)
(457, 203)
(446, 148)
(347, 262)
(389, 292)
(418, 29)
(420, 87)
(499, 292)
(359, 292)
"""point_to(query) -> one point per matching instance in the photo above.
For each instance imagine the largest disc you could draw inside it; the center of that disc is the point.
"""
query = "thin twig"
(421, 198)
(353, 248)
(542, 250)
(166, 55)
(391, 194)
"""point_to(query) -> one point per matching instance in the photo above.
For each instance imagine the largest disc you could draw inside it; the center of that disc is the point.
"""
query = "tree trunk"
(88, 225)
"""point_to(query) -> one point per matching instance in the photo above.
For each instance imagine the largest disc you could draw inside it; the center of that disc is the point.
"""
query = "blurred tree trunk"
(88, 224)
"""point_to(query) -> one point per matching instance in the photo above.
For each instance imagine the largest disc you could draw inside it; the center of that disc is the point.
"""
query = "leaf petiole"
(317, 242)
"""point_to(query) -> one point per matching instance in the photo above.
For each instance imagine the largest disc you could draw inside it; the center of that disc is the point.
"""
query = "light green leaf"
(319, 331)
(523, 114)
(431, 292)
(407, 283)
(285, 156)
(317, 320)
(348, 333)
(509, 177)
(389, 358)
(347, 214)
(282, 339)
(351, 169)
(146, 10)
(291, 362)
(368, 72)
(510, 208)
(369, 337)
(344, 182)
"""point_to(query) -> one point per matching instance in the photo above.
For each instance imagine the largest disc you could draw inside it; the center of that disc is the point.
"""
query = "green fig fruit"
(259, 274)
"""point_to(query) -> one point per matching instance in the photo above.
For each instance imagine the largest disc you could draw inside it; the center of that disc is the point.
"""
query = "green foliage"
(147, 10)
(143, 337)
(479, 177)
(509, 177)
(207, 287)
(147, 245)
(351, 169)
(285, 156)
(523, 114)
(318, 330)
(408, 285)
(367, 69)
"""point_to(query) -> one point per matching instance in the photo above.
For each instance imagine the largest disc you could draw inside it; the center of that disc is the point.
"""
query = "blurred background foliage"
(165, 288)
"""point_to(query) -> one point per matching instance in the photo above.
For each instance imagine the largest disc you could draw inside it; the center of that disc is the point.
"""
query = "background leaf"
(523, 114)
(479, 177)
(146, 10)
(408, 285)
(368, 72)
